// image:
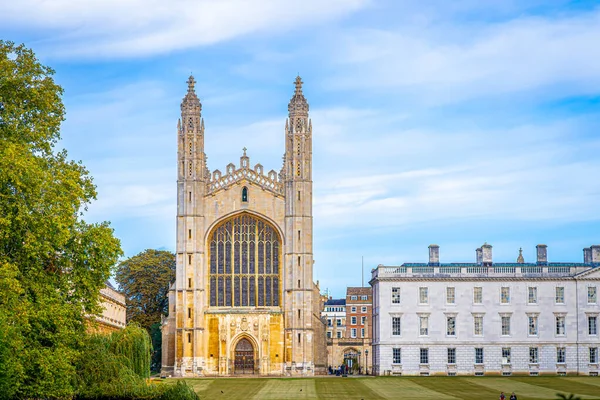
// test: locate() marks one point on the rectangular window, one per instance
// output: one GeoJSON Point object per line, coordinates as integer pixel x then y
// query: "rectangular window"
{"type": "Point", "coordinates": [592, 296]}
{"type": "Point", "coordinates": [477, 295]}
{"type": "Point", "coordinates": [189, 312]}
{"type": "Point", "coordinates": [424, 356]}
{"type": "Point", "coordinates": [533, 355]}
{"type": "Point", "coordinates": [338, 322]}
{"type": "Point", "coordinates": [423, 325]}
{"type": "Point", "coordinates": [329, 322]}
{"type": "Point", "coordinates": [339, 335]}
{"type": "Point", "coordinates": [397, 356]}
{"type": "Point", "coordinates": [352, 320]}
{"type": "Point", "coordinates": [532, 298]}
{"type": "Point", "coordinates": [328, 334]}
{"type": "Point", "coordinates": [353, 297]}
{"type": "Point", "coordinates": [451, 356]}
{"type": "Point", "coordinates": [592, 325]}
{"type": "Point", "coordinates": [189, 259]}
{"type": "Point", "coordinates": [189, 337]}
{"type": "Point", "coordinates": [363, 309]}
{"type": "Point", "coordinates": [593, 355]}
{"type": "Point", "coordinates": [505, 295]}
{"type": "Point", "coordinates": [396, 327]}
{"type": "Point", "coordinates": [560, 295]}
{"type": "Point", "coordinates": [395, 295]}
{"type": "Point", "coordinates": [363, 320]}
{"type": "Point", "coordinates": [362, 332]}
{"type": "Point", "coordinates": [478, 325]}
{"type": "Point", "coordinates": [560, 325]}
{"type": "Point", "coordinates": [364, 298]}
{"type": "Point", "coordinates": [450, 295]}
{"type": "Point", "coordinates": [506, 355]}
{"type": "Point", "coordinates": [353, 332]}
{"type": "Point", "coordinates": [533, 325]}
{"type": "Point", "coordinates": [189, 282]}
{"type": "Point", "coordinates": [451, 326]}
{"type": "Point", "coordinates": [353, 309]}
{"type": "Point", "coordinates": [299, 337]}
{"type": "Point", "coordinates": [505, 325]}
{"type": "Point", "coordinates": [423, 295]}
{"type": "Point", "coordinates": [189, 233]}
{"type": "Point", "coordinates": [561, 355]}
{"type": "Point", "coordinates": [479, 355]}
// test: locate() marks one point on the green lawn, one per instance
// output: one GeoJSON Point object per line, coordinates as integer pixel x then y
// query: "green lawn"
{"type": "Point", "coordinates": [418, 388]}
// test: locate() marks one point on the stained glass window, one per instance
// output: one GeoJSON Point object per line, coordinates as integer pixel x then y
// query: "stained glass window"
{"type": "Point", "coordinates": [244, 263]}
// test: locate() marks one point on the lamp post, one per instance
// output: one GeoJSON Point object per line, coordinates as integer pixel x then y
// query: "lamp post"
{"type": "Point", "coordinates": [367, 361]}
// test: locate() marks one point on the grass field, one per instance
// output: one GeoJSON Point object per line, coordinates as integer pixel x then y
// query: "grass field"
{"type": "Point", "coordinates": [418, 388]}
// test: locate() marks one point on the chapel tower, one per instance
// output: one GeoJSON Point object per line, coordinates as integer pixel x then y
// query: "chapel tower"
{"type": "Point", "coordinates": [298, 229]}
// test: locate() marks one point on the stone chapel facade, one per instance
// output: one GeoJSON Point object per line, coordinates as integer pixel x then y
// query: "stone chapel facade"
{"type": "Point", "coordinates": [244, 301]}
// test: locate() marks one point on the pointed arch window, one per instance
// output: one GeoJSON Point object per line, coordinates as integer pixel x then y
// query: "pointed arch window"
{"type": "Point", "coordinates": [244, 194]}
{"type": "Point", "coordinates": [244, 263]}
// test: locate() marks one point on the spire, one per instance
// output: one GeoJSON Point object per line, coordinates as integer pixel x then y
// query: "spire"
{"type": "Point", "coordinates": [520, 259]}
{"type": "Point", "coordinates": [191, 102]}
{"type": "Point", "coordinates": [298, 105]}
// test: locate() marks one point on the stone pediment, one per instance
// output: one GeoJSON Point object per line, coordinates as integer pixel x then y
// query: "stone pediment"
{"type": "Point", "coordinates": [593, 274]}
{"type": "Point", "coordinates": [270, 181]}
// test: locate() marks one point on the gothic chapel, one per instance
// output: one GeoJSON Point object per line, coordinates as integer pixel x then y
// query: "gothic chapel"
{"type": "Point", "coordinates": [244, 301]}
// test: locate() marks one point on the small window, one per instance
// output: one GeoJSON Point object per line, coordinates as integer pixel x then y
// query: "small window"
{"type": "Point", "coordinates": [477, 295]}
{"type": "Point", "coordinates": [506, 355]}
{"type": "Point", "coordinates": [478, 325]}
{"type": "Point", "coordinates": [396, 327]}
{"type": "Point", "coordinates": [364, 298]}
{"type": "Point", "coordinates": [451, 326]}
{"type": "Point", "coordinates": [189, 313]}
{"type": "Point", "coordinates": [533, 355]}
{"type": "Point", "coordinates": [189, 233]}
{"type": "Point", "coordinates": [593, 355]}
{"type": "Point", "coordinates": [397, 356]}
{"type": "Point", "coordinates": [298, 283]}
{"type": "Point", "coordinates": [423, 295]}
{"type": "Point", "coordinates": [532, 299]}
{"type": "Point", "coordinates": [353, 333]}
{"type": "Point", "coordinates": [560, 325]}
{"type": "Point", "coordinates": [395, 295]}
{"type": "Point", "coordinates": [479, 355]}
{"type": "Point", "coordinates": [190, 282]}
{"type": "Point", "coordinates": [353, 297]}
{"type": "Point", "coordinates": [190, 197]}
{"type": "Point", "coordinates": [592, 325]}
{"type": "Point", "coordinates": [244, 194]}
{"type": "Point", "coordinates": [560, 295]}
{"type": "Point", "coordinates": [451, 356]}
{"type": "Point", "coordinates": [450, 295]}
{"type": "Point", "coordinates": [505, 295]}
{"type": "Point", "coordinates": [592, 296]}
{"type": "Point", "coordinates": [189, 259]}
{"type": "Point", "coordinates": [424, 356]}
{"type": "Point", "coordinates": [298, 195]}
{"type": "Point", "coordinates": [299, 337]}
{"type": "Point", "coordinates": [561, 353]}
{"type": "Point", "coordinates": [328, 334]}
{"type": "Point", "coordinates": [363, 309]}
{"type": "Point", "coordinates": [189, 338]}
{"type": "Point", "coordinates": [352, 320]}
{"type": "Point", "coordinates": [533, 325]}
{"type": "Point", "coordinates": [353, 309]}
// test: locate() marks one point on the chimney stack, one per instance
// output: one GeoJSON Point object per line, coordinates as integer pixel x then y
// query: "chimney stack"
{"type": "Point", "coordinates": [486, 251]}
{"type": "Point", "coordinates": [542, 254]}
{"type": "Point", "coordinates": [587, 255]}
{"type": "Point", "coordinates": [595, 250]}
{"type": "Point", "coordinates": [479, 256]}
{"type": "Point", "coordinates": [434, 254]}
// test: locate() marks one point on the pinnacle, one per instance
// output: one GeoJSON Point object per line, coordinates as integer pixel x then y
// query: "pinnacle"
{"type": "Point", "coordinates": [191, 83]}
{"type": "Point", "coordinates": [298, 82]}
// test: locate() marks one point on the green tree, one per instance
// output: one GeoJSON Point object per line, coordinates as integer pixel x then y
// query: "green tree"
{"type": "Point", "coordinates": [145, 280]}
{"type": "Point", "coordinates": [52, 263]}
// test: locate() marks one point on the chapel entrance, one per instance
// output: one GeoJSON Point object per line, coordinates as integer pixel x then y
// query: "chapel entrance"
{"type": "Point", "coordinates": [244, 357]}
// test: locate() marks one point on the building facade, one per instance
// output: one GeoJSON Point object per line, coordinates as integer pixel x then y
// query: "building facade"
{"type": "Point", "coordinates": [244, 301]}
{"type": "Point", "coordinates": [487, 318]}
{"type": "Point", "coordinates": [349, 323]}
{"type": "Point", "coordinates": [114, 311]}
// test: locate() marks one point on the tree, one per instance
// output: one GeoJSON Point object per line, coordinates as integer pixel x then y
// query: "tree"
{"type": "Point", "coordinates": [52, 263]}
{"type": "Point", "coordinates": [145, 280]}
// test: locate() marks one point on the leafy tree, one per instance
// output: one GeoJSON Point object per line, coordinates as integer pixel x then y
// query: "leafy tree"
{"type": "Point", "coordinates": [145, 280]}
{"type": "Point", "coordinates": [52, 263]}
{"type": "Point", "coordinates": [569, 397]}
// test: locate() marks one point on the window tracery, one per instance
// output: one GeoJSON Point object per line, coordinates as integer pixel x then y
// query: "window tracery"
{"type": "Point", "coordinates": [244, 263]}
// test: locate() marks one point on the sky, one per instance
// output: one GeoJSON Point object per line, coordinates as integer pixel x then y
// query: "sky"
{"type": "Point", "coordinates": [455, 123]}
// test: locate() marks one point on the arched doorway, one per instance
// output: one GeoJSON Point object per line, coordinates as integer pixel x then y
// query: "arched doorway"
{"type": "Point", "coordinates": [244, 357]}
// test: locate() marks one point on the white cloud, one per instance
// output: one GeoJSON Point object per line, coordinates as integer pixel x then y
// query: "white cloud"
{"type": "Point", "coordinates": [125, 28]}
{"type": "Point", "coordinates": [445, 61]}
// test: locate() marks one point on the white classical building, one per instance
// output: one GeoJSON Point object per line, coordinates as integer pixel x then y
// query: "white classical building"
{"type": "Point", "coordinates": [487, 318]}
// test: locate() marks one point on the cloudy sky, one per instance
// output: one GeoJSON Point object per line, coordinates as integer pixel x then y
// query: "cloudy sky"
{"type": "Point", "coordinates": [434, 122]}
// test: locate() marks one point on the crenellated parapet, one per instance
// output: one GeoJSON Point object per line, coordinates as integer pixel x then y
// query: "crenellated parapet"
{"type": "Point", "coordinates": [271, 181]}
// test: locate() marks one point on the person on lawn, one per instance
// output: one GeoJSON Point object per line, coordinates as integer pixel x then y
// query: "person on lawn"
{"type": "Point", "coordinates": [513, 396]}
{"type": "Point", "coordinates": [502, 396]}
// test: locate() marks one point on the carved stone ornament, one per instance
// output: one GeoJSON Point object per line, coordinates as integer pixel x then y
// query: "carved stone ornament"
{"type": "Point", "coordinates": [244, 324]}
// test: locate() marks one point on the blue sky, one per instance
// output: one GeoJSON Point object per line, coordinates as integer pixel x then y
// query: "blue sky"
{"type": "Point", "coordinates": [434, 122]}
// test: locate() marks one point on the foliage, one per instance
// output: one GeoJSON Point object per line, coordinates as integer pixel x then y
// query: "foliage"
{"type": "Point", "coordinates": [117, 366]}
{"type": "Point", "coordinates": [156, 336]}
{"type": "Point", "coordinates": [145, 280]}
{"type": "Point", "coordinates": [561, 396]}
{"type": "Point", "coordinates": [52, 263]}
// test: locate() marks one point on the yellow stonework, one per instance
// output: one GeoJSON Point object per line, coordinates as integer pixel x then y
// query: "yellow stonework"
{"type": "Point", "coordinates": [113, 317]}
{"type": "Point", "coordinates": [244, 301]}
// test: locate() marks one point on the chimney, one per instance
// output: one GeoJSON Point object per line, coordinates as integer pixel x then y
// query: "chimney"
{"type": "Point", "coordinates": [595, 254]}
{"type": "Point", "coordinates": [479, 256]}
{"type": "Point", "coordinates": [542, 254]}
{"type": "Point", "coordinates": [486, 251]}
{"type": "Point", "coordinates": [587, 255]}
{"type": "Point", "coordinates": [434, 254]}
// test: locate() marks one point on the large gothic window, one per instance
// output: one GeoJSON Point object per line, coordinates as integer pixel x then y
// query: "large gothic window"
{"type": "Point", "coordinates": [244, 263]}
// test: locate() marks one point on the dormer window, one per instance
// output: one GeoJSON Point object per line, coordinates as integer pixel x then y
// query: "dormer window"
{"type": "Point", "coordinates": [244, 194]}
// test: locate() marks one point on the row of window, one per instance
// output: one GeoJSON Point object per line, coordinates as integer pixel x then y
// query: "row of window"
{"type": "Point", "coordinates": [353, 320]}
{"type": "Point", "coordinates": [561, 355]}
{"type": "Point", "coordinates": [363, 298]}
{"type": "Point", "coordinates": [532, 295]}
{"type": "Point", "coordinates": [532, 325]}
{"type": "Point", "coordinates": [353, 333]}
